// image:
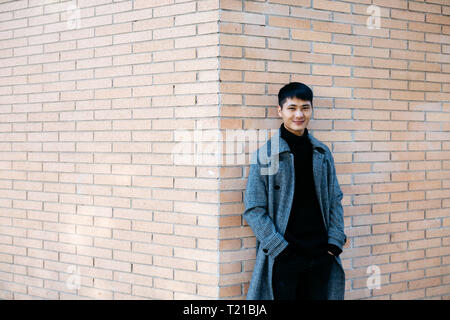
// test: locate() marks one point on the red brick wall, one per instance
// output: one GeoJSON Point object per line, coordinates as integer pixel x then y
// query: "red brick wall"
{"type": "Point", "coordinates": [382, 106]}
{"type": "Point", "coordinates": [95, 95]}
{"type": "Point", "coordinates": [115, 179]}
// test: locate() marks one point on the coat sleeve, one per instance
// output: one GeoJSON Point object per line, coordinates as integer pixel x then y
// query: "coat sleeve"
{"type": "Point", "coordinates": [256, 212]}
{"type": "Point", "coordinates": [336, 234]}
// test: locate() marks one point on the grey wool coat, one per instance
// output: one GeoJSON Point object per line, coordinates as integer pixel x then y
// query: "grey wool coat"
{"type": "Point", "coordinates": [268, 200]}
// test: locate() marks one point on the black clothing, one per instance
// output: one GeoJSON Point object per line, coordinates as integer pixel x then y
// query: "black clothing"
{"type": "Point", "coordinates": [302, 270]}
{"type": "Point", "coordinates": [297, 277]}
{"type": "Point", "coordinates": [305, 231]}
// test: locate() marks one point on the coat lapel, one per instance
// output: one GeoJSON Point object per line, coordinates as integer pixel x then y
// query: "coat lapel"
{"type": "Point", "coordinates": [317, 173]}
{"type": "Point", "coordinates": [317, 163]}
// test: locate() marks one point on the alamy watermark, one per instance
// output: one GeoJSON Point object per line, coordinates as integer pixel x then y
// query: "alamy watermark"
{"type": "Point", "coordinates": [226, 147]}
{"type": "Point", "coordinates": [374, 21]}
{"type": "Point", "coordinates": [73, 281]}
{"type": "Point", "coordinates": [74, 17]}
{"type": "Point", "coordinates": [374, 280]}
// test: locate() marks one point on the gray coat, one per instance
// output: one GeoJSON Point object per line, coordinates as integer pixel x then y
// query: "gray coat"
{"type": "Point", "coordinates": [268, 200]}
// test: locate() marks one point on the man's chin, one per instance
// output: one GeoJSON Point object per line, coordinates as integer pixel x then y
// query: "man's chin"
{"type": "Point", "coordinates": [297, 129]}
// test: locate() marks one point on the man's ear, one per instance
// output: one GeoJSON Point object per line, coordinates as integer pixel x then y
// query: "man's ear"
{"type": "Point", "coordinates": [279, 110]}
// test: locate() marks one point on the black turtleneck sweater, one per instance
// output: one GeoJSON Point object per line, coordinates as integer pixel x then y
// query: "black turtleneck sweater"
{"type": "Point", "coordinates": [305, 231]}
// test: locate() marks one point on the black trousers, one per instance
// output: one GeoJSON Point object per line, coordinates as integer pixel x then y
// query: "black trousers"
{"type": "Point", "coordinates": [297, 277]}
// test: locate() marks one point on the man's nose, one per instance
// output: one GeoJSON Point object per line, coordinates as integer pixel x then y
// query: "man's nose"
{"type": "Point", "coordinates": [299, 114]}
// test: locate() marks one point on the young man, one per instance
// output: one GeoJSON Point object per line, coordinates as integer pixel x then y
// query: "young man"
{"type": "Point", "coordinates": [294, 209]}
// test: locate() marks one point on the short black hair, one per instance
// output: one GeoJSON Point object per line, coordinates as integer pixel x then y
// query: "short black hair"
{"type": "Point", "coordinates": [295, 89]}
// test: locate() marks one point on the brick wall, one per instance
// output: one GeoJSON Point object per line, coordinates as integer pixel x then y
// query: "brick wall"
{"type": "Point", "coordinates": [382, 106]}
{"type": "Point", "coordinates": [94, 97]}
{"type": "Point", "coordinates": [113, 173]}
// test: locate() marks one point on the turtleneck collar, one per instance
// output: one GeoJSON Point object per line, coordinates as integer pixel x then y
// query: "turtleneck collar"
{"type": "Point", "coordinates": [293, 139]}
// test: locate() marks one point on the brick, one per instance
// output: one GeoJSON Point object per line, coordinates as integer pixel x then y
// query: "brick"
{"type": "Point", "coordinates": [421, 244]}
{"type": "Point", "coordinates": [427, 263]}
{"type": "Point", "coordinates": [437, 290]}
{"type": "Point", "coordinates": [289, 22]}
{"type": "Point", "coordinates": [390, 288]}
{"type": "Point", "coordinates": [410, 295]}
{"type": "Point", "coordinates": [410, 235]}
{"type": "Point", "coordinates": [389, 248]}
{"type": "Point", "coordinates": [423, 283]}
{"type": "Point", "coordinates": [331, 48]}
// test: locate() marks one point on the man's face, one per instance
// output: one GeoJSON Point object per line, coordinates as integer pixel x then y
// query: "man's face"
{"type": "Point", "coordinates": [296, 114]}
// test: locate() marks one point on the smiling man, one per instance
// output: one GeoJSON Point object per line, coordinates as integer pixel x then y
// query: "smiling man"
{"type": "Point", "coordinates": [296, 212]}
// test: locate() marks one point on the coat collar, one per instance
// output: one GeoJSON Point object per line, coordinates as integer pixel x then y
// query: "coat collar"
{"type": "Point", "coordinates": [319, 152]}
{"type": "Point", "coordinates": [283, 145]}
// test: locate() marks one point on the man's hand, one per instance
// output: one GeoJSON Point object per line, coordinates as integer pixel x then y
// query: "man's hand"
{"type": "Point", "coordinates": [334, 250]}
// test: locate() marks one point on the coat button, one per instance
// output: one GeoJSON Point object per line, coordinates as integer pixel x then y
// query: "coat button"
{"type": "Point", "coordinates": [265, 250]}
{"type": "Point", "coordinates": [277, 187]}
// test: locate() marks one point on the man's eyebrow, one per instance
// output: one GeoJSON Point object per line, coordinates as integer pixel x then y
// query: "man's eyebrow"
{"type": "Point", "coordinates": [303, 105]}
